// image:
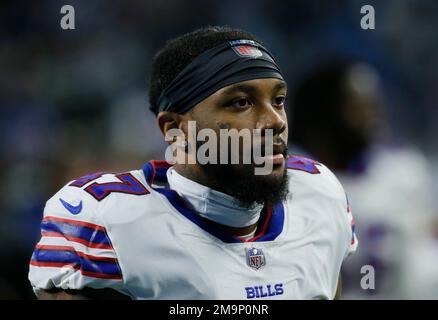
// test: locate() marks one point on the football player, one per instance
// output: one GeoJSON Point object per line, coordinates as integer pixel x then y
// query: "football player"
{"type": "Point", "coordinates": [202, 231]}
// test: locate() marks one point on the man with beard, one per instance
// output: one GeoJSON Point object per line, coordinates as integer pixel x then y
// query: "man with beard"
{"type": "Point", "coordinates": [202, 231]}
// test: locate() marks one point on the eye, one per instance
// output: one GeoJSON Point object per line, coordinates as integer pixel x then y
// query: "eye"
{"type": "Point", "coordinates": [279, 101]}
{"type": "Point", "coordinates": [240, 103]}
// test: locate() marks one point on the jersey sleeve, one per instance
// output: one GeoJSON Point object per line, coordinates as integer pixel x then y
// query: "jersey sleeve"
{"type": "Point", "coordinates": [74, 250]}
{"type": "Point", "coordinates": [347, 238]}
{"type": "Point", "coordinates": [349, 222]}
{"type": "Point", "coordinates": [321, 180]}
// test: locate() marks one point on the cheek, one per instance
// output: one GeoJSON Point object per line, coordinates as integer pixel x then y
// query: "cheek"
{"type": "Point", "coordinates": [223, 125]}
{"type": "Point", "coordinates": [237, 124]}
{"type": "Point", "coordinates": [285, 134]}
{"type": "Point", "coordinates": [203, 121]}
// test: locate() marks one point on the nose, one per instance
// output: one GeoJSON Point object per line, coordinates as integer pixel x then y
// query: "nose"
{"type": "Point", "coordinates": [271, 118]}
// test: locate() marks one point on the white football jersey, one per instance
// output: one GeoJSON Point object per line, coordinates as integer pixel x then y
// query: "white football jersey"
{"type": "Point", "coordinates": [393, 208]}
{"type": "Point", "coordinates": [131, 233]}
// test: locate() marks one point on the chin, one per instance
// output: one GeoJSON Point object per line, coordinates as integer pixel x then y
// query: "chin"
{"type": "Point", "coordinates": [240, 182]}
{"type": "Point", "coordinates": [277, 170]}
{"type": "Point", "coordinates": [275, 177]}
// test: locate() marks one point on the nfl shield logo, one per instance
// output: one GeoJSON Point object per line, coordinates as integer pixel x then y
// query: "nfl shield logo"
{"type": "Point", "coordinates": [255, 258]}
{"type": "Point", "coordinates": [247, 51]}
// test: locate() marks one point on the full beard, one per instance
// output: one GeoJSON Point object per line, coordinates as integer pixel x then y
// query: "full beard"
{"type": "Point", "coordinates": [240, 182]}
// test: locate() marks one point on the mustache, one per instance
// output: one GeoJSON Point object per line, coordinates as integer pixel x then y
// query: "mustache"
{"type": "Point", "coordinates": [277, 147]}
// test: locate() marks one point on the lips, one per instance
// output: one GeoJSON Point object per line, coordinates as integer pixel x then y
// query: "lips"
{"type": "Point", "coordinates": [278, 154]}
{"type": "Point", "coordinates": [276, 159]}
{"type": "Point", "coordinates": [279, 149]}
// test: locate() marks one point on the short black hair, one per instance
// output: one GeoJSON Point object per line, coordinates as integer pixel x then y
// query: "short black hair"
{"type": "Point", "coordinates": [179, 52]}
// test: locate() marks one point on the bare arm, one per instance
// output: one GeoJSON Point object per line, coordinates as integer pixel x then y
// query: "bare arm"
{"type": "Point", "coordinates": [86, 294]}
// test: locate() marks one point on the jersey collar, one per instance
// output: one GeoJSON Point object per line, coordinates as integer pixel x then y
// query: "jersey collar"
{"type": "Point", "coordinates": [269, 226]}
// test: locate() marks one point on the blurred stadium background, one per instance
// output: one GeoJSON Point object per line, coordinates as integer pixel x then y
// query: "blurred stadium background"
{"type": "Point", "coordinates": [74, 102]}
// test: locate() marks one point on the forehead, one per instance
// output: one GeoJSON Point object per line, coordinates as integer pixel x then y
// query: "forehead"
{"type": "Point", "coordinates": [260, 86]}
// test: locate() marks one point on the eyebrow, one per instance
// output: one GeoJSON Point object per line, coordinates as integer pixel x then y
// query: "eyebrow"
{"type": "Point", "coordinates": [251, 89]}
{"type": "Point", "coordinates": [280, 85]}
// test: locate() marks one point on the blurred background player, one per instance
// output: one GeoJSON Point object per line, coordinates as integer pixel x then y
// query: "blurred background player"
{"type": "Point", "coordinates": [338, 117]}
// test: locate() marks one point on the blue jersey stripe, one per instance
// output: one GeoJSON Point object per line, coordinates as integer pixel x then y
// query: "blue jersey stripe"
{"type": "Point", "coordinates": [72, 257]}
{"type": "Point", "coordinates": [73, 230]}
{"type": "Point", "coordinates": [152, 171]}
{"type": "Point", "coordinates": [276, 224]}
{"type": "Point", "coordinates": [274, 229]}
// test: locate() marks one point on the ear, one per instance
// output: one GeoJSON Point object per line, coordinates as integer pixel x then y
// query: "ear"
{"type": "Point", "coordinates": [168, 120]}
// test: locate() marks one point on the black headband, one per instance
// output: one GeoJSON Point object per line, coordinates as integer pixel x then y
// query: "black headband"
{"type": "Point", "coordinates": [229, 63]}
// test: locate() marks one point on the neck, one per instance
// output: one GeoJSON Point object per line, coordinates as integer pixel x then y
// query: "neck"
{"type": "Point", "coordinates": [222, 211]}
{"type": "Point", "coordinates": [191, 171]}
{"type": "Point", "coordinates": [195, 173]}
